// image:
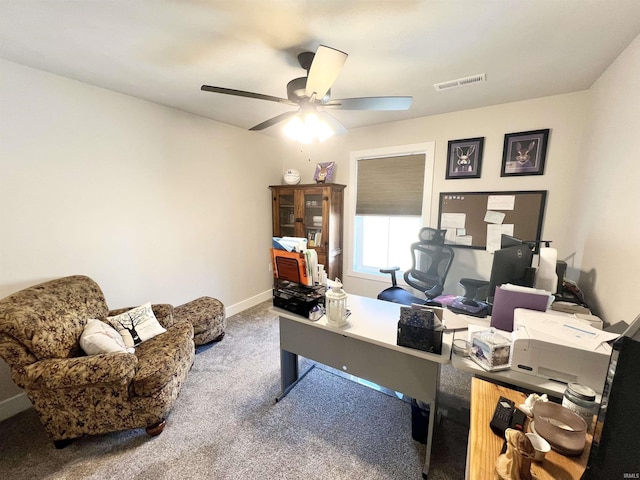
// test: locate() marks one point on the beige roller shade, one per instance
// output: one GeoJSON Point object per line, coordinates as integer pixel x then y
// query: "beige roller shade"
{"type": "Point", "coordinates": [390, 185]}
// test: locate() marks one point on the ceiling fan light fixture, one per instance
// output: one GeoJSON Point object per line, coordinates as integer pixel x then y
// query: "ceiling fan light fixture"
{"type": "Point", "coordinates": [312, 91]}
{"type": "Point", "coordinates": [304, 128]}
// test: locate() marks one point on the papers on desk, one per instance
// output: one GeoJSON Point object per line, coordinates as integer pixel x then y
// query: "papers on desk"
{"type": "Point", "coordinates": [290, 244]}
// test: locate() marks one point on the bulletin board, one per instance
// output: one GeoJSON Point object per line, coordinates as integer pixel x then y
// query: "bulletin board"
{"type": "Point", "coordinates": [477, 219]}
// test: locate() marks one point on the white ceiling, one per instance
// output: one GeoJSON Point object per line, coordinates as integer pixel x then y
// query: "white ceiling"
{"type": "Point", "coordinates": [163, 51]}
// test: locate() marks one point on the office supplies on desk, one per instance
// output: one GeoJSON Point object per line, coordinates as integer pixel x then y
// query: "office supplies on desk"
{"type": "Point", "coordinates": [291, 266]}
{"type": "Point", "coordinates": [546, 276]}
{"type": "Point", "coordinates": [296, 298]}
{"type": "Point", "coordinates": [420, 328]}
{"type": "Point", "coordinates": [509, 297]}
{"type": "Point", "coordinates": [550, 346]}
{"type": "Point", "coordinates": [490, 350]}
{"type": "Point", "coordinates": [290, 244]}
{"type": "Point", "coordinates": [506, 415]}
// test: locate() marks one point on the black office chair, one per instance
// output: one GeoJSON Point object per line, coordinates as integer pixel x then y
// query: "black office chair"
{"type": "Point", "coordinates": [431, 263]}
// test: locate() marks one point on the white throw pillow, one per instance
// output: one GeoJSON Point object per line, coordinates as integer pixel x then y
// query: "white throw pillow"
{"type": "Point", "coordinates": [137, 325]}
{"type": "Point", "coordinates": [98, 337]}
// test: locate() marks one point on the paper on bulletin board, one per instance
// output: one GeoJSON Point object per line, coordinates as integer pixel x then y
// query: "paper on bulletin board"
{"type": "Point", "coordinates": [501, 202]}
{"type": "Point", "coordinates": [453, 220]}
{"type": "Point", "coordinates": [450, 235]}
{"type": "Point", "coordinates": [464, 240]}
{"type": "Point", "coordinates": [494, 217]}
{"type": "Point", "coordinates": [494, 235]}
{"type": "Point", "coordinates": [458, 236]}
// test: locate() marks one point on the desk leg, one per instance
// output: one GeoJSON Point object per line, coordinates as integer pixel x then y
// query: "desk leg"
{"type": "Point", "coordinates": [433, 408]}
{"type": "Point", "coordinates": [289, 376]}
{"type": "Point", "coordinates": [427, 456]}
{"type": "Point", "coordinates": [288, 373]}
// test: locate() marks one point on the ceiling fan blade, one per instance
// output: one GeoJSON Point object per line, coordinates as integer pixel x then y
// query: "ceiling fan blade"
{"type": "Point", "coordinates": [242, 93]}
{"type": "Point", "coordinates": [325, 68]}
{"type": "Point", "coordinates": [370, 103]}
{"type": "Point", "coordinates": [333, 122]}
{"type": "Point", "coordinates": [273, 121]}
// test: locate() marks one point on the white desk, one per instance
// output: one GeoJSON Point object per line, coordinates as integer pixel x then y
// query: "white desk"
{"type": "Point", "coordinates": [366, 347]}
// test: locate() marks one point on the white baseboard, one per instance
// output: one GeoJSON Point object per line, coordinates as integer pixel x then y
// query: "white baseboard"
{"type": "Point", "coordinates": [248, 303]}
{"type": "Point", "coordinates": [20, 402]}
{"type": "Point", "coordinates": [11, 406]}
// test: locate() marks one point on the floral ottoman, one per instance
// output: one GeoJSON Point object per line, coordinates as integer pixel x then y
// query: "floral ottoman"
{"type": "Point", "coordinates": [207, 315]}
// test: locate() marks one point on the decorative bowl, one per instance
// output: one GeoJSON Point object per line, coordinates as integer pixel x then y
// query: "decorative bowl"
{"type": "Point", "coordinates": [565, 431]}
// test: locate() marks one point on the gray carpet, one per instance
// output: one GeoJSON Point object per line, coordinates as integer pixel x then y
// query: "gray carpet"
{"type": "Point", "coordinates": [226, 425]}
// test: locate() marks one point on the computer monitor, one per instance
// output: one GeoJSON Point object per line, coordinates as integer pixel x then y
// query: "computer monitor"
{"type": "Point", "coordinates": [509, 241]}
{"type": "Point", "coordinates": [511, 264]}
{"type": "Point", "coordinates": [614, 450]}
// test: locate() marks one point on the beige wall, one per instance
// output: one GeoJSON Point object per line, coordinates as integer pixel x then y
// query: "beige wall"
{"type": "Point", "coordinates": [609, 200]}
{"type": "Point", "coordinates": [153, 203]}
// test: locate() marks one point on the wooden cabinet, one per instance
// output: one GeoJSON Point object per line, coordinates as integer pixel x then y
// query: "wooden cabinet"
{"type": "Point", "coordinates": [314, 212]}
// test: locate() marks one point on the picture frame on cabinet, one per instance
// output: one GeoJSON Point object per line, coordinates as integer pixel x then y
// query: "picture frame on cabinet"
{"type": "Point", "coordinates": [524, 153]}
{"type": "Point", "coordinates": [324, 172]}
{"type": "Point", "coordinates": [464, 158]}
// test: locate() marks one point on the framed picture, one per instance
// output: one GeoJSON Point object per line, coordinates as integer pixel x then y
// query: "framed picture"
{"type": "Point", "coordinates": [464, 158]}
{"type": "Point", "coordinates": [324, 172]}
{"type": "Point", "coordinates": [524, 153]}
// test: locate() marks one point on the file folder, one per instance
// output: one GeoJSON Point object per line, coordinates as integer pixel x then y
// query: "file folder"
{"type": "Point", "coordinates": [291, 266]}
{"type": "Point", "coordinates": [506, 301]}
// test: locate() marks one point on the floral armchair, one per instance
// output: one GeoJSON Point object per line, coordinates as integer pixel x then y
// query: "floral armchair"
{"type": "Point", "coordinates": [77, 394]}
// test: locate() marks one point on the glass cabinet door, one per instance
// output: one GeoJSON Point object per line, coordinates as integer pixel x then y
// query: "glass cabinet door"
{"type": "Point", "coordinates": [313, 219]}
{"type": "Point", "coordinates": [286, 216]}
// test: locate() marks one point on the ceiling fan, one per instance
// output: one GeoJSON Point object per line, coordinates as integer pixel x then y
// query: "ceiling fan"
{"type": "Point", "coordinates": [312, 94]}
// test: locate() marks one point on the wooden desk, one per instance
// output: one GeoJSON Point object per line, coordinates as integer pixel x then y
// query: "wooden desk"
{"type": "Point", "coordinates": [484, 446]}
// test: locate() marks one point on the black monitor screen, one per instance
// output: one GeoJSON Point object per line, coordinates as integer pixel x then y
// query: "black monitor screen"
{"type": "Point", "coordinates": [511, 264]}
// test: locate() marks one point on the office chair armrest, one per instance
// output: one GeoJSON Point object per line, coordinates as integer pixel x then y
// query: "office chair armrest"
{"type": "Point", "coordinates": [391, 271]}
{"type": "Point", "coordinates": [434, 291]}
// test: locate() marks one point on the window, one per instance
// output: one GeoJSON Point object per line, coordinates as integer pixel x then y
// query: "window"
{"type": "Point", "coordinates": [383, 241]}
{"type": "Point", "coordinates": [391, 201]}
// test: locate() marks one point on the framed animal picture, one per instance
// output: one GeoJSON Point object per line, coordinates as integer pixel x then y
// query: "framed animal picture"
{"type": "Point", "coordinates": [324, 172]}
{"type": "Point", "coordinates": [524, 153]}
{"type": "Point", "coordinates": [464, 158]}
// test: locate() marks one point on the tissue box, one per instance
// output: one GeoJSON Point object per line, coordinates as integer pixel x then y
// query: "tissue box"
{"type": "Point", "coordinates": [420, 329]}
{"type": "Point", "coordinates": [490, 350]}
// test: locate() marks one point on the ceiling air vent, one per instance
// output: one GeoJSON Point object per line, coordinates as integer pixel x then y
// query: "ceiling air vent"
{"type": "Point", "coordinates": [460, 82]}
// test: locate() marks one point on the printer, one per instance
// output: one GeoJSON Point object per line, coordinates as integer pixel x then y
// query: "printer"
{"type": "Point", "coordinates": [544, 345]}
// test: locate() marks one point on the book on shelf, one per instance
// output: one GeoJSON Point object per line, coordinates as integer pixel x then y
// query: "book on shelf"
{"type": "Point", "coordinates": [314, 239]}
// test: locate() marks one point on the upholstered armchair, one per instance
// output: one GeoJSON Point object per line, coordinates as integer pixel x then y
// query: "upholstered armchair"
{"type": "Point", "coordinates": [74, 393]}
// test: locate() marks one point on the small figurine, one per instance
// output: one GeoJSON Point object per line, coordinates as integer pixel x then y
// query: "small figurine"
{"type": "Point", "coordinates": [515, 463]}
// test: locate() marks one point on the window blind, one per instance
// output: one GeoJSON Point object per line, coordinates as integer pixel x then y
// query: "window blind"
{"type": "Point", "coordinates": [390, 185]}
